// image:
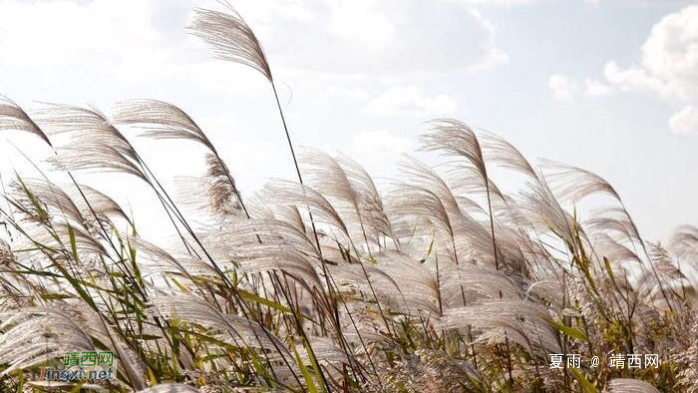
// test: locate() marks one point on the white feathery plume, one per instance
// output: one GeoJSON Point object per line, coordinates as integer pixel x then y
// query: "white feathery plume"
{"type": "Point", "coordinates": [499, 151]}
{"type": "Point", "coordinates": [58, 202]}
{"type": "Point", "coordinates": [478, 282]}
{"type": "Point", "coordinates": [57, 241]}
{"type": "Point", "coordinates": [287, 193]}
{"type": "Point", "coordinates": [573, 184]}
{"type": "Point", "coordinates": [627, 385]}
{"type": "Point", "coordinates": [170, 388]}
{"type": "Point", "coordinates": [241, 236]}
{"type": "Point", "coordinates": [13, 117]}
{"type": "Point", "coordinates": [231, 38]}
{"type": "Point", "coordinates": [416, 283]}
{"type": "Point", "coordinates": [684, 241]}
{"type": "Point", "coordinates": [34, 335]}
{"type": "Point", "coordinates": [544, 211]}
{"type": "Point", "coordinates": [232, 329]}
{"type": "Point", "coordinates": [161, 120]}
{"type": "Point", "coordinates": [605, 246]}
{"type": "Point", "coordinates": [414, 201]}
{"type": "Point", "coordinates": [400, 282]}
{"type": "Point", "coordinates": [521, 321]}
{"type": "Point", "coordinates": [103, 205]}
{"type": "Point", "coordinates": [93, 143]}
{"type": "Point", "coordinates": [370, 200]}
{"type": "Point", "coordinates": [354, 198]}
{"type": "Point", "coordinates": [613, 221]}
{"type": "Point", "coordinates": [456, 139]}
{"type": "Point", "coordinates": [162, 261]}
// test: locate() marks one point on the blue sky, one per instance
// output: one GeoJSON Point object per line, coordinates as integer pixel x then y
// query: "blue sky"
{"type": "Point", "coordinates": [608, 85]}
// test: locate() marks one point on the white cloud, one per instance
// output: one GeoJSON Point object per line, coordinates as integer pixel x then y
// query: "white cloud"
{"type": "Point", "coordinates": [562, 87]}
{"type": "Point", "coordinates": [355, 93]}
{"type": "Point", "coordinates": [410, 100]}
{"type": "Point", "coordinates": [377, 142]}
{"type": "Point", "coordinates": [491, 54]}
{"type": "Point", "coordinates": [640, 2]}
{"type": "Point", "coordinates": [669, 67]}
{"type": "Point", "coordinates": [593, 2]}
{"type": "Point", "coordinates": [107, 50]}
{"type": "Point", "coordinates": [386, 37]}
{"type": "Point", "coordinates": [144, 40]}
{"type": "Point", "coordinates": [671, 53]}
{"type": "Point", "coordinates": [45, 34]}
{"type": "Point", "coordinates": [685, 121]}
{"type": "Point", "coordinates": [504, 2]}
{"type": "Point", "coordinates": [633, 78]}
{"type": "Point", "coordinates": [566, 89]}
{"type": "Point", "coordinates": [132, 41]}
{"type": "Point", "coordinates": [375, 28]}
{"type": "Point", "coordinates": [597, 88]}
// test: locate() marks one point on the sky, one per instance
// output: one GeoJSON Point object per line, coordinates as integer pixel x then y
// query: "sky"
{"type": "Point", "coordinates": [607, 85]}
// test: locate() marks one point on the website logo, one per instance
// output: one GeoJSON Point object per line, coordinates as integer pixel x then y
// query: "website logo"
{"type": "Point", "coordinates": [79, 367]}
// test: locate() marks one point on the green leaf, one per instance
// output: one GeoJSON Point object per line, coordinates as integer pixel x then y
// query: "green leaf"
{"type": "Point", "coordinates": [264, 301]}
{"type": "Point", "coordinates": [74, 283]}
{"type": "Point", "coordinates": [309, 382]}
{"type": "Point", "coordinates": [313, 361]}
{"type": "Point", "coordinates": [569, 331]}
{"type": "Point", "coordinates": [56, 296]}
{"type": "Point", "coordinates": [583, 382]}
{"type": "Point", "coordinates": [145, 337]}
{"type": "Point", "coordinates": [608, 269]}
{"type": "Point", "coordinates": [73, 243]}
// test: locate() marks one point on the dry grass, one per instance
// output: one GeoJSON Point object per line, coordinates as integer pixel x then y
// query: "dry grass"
{"type": "Point", "coordinates": [444, 282]}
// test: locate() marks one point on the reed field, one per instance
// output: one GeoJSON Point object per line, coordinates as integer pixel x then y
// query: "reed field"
{"type": "Point", "coordinates": [438, 281]}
